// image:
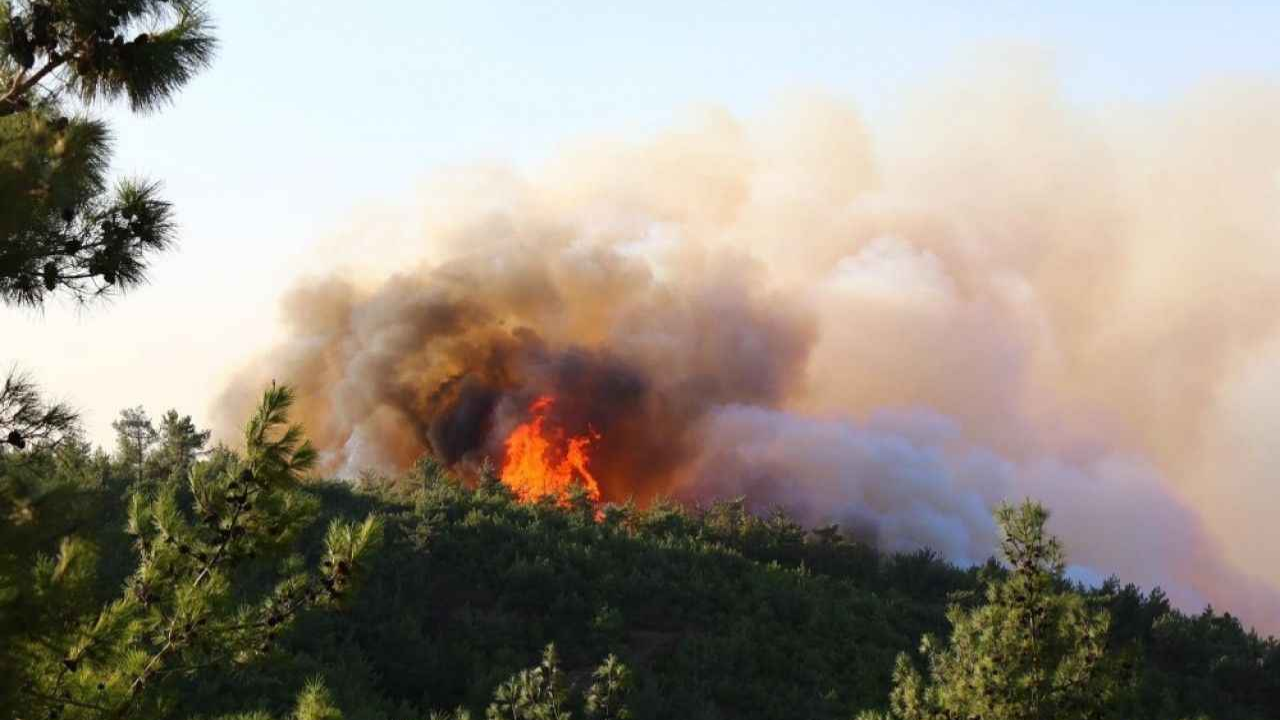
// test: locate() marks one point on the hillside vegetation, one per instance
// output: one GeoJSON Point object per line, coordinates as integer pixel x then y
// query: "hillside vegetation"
{"type": "Point", "coordinates": [700, 612]}
{"type": "Point", "coordinates": [165, 580]}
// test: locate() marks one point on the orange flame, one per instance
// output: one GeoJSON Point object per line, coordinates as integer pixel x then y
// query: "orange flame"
{"type": "Point", "coordinates": [541, 462]}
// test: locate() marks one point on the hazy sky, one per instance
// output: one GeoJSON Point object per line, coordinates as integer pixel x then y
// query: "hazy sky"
{"type": "Point", "coordinates": [316, 109]}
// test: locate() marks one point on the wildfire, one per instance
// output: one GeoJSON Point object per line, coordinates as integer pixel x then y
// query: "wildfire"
{"type": "Point", "coordinates": [542, 461]}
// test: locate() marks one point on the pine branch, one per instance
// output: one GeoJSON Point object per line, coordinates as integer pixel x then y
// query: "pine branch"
{"type": "Point", "coordinates": [13, 100]}
{"type": "Point", "coordinates": [57, 701]}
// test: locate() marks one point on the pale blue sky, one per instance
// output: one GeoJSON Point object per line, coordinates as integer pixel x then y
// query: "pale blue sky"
{"type": "Point", "coordinates": [316, 107]}
{"type": "Point", "coordinates": [316, 87]}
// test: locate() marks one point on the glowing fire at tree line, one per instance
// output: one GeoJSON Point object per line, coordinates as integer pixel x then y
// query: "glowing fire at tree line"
{"type": "Point", "coordinates": [543, 461]}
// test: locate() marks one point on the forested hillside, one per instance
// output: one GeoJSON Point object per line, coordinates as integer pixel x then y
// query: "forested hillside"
{"type": "Point", "coordinates": [168, 579]}
{"type": "Point", "coordinates": [710, 613]}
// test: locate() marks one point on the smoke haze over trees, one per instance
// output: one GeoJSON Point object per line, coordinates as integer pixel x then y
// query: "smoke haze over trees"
{"type": "Point", "coordinates": [721, 423]}
{"type": "Point", "coordinates": [894, 333]}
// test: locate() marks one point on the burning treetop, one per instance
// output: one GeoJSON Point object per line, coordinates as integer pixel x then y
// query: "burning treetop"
{"type": "Point", "coordinates": [542, 460]}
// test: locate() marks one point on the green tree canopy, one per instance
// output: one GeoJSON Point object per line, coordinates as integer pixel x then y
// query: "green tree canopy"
{"type": "Point", "coordinates": [182, 609]}
{"type": "Point", "coordinates": [180, 443]}
{"type": "Point", "coordinates": [135, 434]}
{"type": "Point", "coordinates": [1035, 650]}
{"type": "Point", "coordinates": [63, 224]}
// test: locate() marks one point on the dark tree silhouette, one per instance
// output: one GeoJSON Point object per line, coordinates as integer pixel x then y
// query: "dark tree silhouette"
{"type": "Point", "coordinates": [26, 418]}
{"type": "Point", "coordinates": [63, 226]}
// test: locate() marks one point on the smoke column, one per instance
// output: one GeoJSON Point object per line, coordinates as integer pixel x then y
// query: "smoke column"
{"type": "Point", "coordinates": [1004, 297]}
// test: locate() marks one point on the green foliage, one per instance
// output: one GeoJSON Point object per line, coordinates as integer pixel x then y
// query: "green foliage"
{"type": "Point", "coordinates": [135, 434]}
{"type": "Point", "coordinates": [715, 612]}
{"type": "Point", "coordinates": [535, 694]}
{"type": "Point", "coordinates": [186, 608]}
{"type": "Point", "coordinates": [39, 448]}
{"type": "Point", "coordinates": [25, 417]}
{"type": "Point", "coordinates": [316, 703]}
{"type": "Point", "coordinates": [180, 444]}
{"type": "Point", "coordinates": [63, 225]}
{"type": "Point", "coordinates": [1188, 664]}
{"type": "Point", "coordinates": [607, 695]}
{"type": "Point", "coordinates": [713, 619]}
{"type": "Point", "coordinates": [144, 50]}
{"type": "Point", "coordinates": [1032, 651]}
{"type": "Point", "coordinates": [541, 693]}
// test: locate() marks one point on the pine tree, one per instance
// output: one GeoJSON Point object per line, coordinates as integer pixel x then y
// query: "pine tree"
{"type": "Point", "coordinates": [535, 694]}
{"type": "Point", "coordinates": [180, 443]}
{"type": "Point", "coordinates": [62, 227]}
{"type": "Point", "coordinates": [33, 509]}
{"type": "Point", "coordinates": [1035, 650]}
{"type": "Point", "coordinates": [179, 613]}
{"type": "Point", "coordinates": [135, 434]}
{"type": "Point", "coordinates": [606, 698]}
{"type": "Point", "coordinates": [542, 693]}
{"type": "Point", "coordinates": [316, 703]}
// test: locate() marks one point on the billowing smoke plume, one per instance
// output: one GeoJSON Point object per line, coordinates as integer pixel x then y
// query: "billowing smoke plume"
{"type": "Point", "coordinates": [1005, 297]}
{"type": "Point", "coordinates": [448, 361]}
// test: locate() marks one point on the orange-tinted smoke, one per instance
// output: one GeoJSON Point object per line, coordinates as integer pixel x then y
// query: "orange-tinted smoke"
{"type": "Point", "coordinates": [1071, 302]}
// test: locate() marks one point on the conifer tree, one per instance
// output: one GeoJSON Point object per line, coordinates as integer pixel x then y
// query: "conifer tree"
{"type": "Point", "coordinates": [606, 698]}
{"type": "Point", "coordinates": [538, 693]}
{"type": "Point", "coordinates": [181, 611]}
{"type": "Point", "coordinates": [316, 703]}
{"type": "Point", "coordinates": [63, 227]}
{"type": "Point", "coordinates": [33, 510]}
{"type": "Point", "coordinates": [135, 434]}
{"type": "Point", "coordinates": [1035, 650]}
{"type": "Point", "coordinates": [180, 443]}
{"type": "Point", "coordinates": [542, 693]}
